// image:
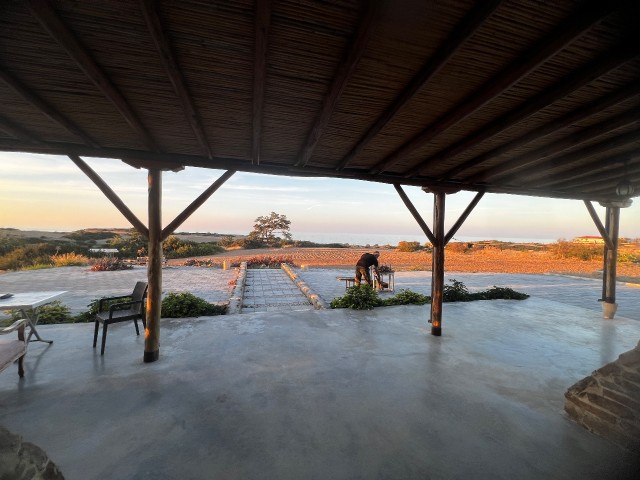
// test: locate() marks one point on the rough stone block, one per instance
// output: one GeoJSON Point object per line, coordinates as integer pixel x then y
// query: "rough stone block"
{"type": "Point", "coordinates": [611, 406]}
{"type": "Point", "coordinates": [587, 407]}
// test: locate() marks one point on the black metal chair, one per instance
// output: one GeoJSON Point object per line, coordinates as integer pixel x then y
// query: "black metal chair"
{"type": "Point", "coordinates": [121, 312]}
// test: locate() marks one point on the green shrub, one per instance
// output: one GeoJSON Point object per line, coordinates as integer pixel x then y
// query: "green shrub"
{"type": "Point", "coordinates": [361, 297]}
{"type": "Point", "coordinates": [178, 305]}
{"type": "Point", "coordinates": [54, 312]}
{"type": "Point", "coordinates": [27, 256]}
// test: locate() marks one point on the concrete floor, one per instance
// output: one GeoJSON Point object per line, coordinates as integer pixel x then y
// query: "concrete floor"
{"type": "Point", "coordinates": [332, 394]}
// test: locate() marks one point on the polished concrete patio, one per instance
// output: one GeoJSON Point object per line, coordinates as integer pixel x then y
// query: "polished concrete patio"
{"type": "Point", "coordinates": [325, 394]}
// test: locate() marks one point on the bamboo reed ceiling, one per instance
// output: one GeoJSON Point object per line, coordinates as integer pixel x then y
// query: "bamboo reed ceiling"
{"type": "Point", "coordinates": [514, 96]}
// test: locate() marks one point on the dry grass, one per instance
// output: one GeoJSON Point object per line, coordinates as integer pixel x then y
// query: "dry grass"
{"type": "Point", "coordinates": [487, 260]}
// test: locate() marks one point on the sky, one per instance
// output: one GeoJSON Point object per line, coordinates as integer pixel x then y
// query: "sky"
{"type": "Point", "coordinates": [46, 192]}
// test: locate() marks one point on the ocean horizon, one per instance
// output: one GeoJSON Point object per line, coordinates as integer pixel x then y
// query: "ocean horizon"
{"type": "Point", "coordinates": [393, 239]}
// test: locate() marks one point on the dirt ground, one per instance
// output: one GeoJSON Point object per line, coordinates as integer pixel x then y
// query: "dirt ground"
{"type": "Point", "coordinates": [487, 260]}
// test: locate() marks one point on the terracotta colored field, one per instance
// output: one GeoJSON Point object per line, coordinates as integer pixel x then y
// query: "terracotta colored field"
{"type": "Point", "coordinates": [487, 260]}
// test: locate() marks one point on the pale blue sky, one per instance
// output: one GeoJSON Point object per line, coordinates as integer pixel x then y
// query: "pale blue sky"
{"type": "Point", "coordinates": [51, 193]}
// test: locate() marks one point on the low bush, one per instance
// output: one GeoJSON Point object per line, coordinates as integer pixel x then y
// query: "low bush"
{"type": "Point", "coordinates": [185, 304]}
{"type": "Point", "coordinates": [69, 260]}
{"type": "Point", "coordinates": [27, 256]}
{"type": "Point", "coordinates": [54, 312]}
{"type": "Point", "coordinates": [409, 246]}
{"type": "Point", "coordinates": [110, 264]}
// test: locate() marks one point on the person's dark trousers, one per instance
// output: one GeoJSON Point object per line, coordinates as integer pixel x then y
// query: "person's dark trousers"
{"type": "Point", "coordinates": [360, 271]}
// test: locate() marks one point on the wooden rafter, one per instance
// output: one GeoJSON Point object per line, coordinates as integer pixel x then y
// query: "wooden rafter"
{"type": "Point", "coordinates": [467, 27]}
{"type": "Point", "coordinates": [340, 81]}
{"type": "Point", "coordinates": [565, 162]}
{"type": "Point", "coordinates": [17, 132]}
{"type": "Point", "coordinates": [576, 115]}
{"type": "Point", "coordinates": [43, 11]}
{"type": "Point", "coordinates": [160, 37]}
{"type": "Point", "coordinates": [589, 173]}
{"type": "Point", "coordinates": [554, 148]}
{"type": "Point", "coordinates": [607, 62]}
{"type": "Point", "coordinates": [262, 25]}
{"type": "Point", "coordinates": [565, 33]}
{"type": "Point", "coordinates": [29, 96]}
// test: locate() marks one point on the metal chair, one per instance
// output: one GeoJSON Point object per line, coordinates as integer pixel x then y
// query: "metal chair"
{"type": "Point", "coordinates": [121, 312]}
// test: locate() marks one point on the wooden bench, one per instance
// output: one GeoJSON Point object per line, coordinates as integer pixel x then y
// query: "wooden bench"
{"type": "Point", "coordinates": [348, 281]}
{"type": "Point", "coordinates": [12, 350]}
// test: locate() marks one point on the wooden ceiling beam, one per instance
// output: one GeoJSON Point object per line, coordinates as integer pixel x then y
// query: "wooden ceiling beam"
{"type": "Point", "coordinates": [578, 79]}
{"type": "Point", "coordinates": [576, 115]}
{"type": "Point", "coordinates": [345, 70]}
{"type": "Point", "coordinates": [610, 185]}
{"type": "Point", "coordinates": [17, 131]}
{"type": "Point", "coordinates": [43, 11]}
{"type": "Point", "coordinates": [262, 26]}
{"type": "Point", "coordinates": [589, 173]}
{"type": "Point", "coordinates": [160, 37]}
{"type": "Point", "coordinates": [463, 31]}
{"type": "Point", "coordinates": [34, 100]}
{"type": "Point", "coordinates": [538, 155]}
{"type": "Point", "coordinates": [565, 162]}
{"type": "Point", "coordinates": [564, 34]}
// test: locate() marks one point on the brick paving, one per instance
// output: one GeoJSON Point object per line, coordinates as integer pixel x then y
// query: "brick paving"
{"type": "Point", "coordinates": [271, 290]}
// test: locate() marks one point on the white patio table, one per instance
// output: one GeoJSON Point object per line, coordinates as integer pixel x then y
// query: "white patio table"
{"type": "Point", "coordinates": [28, 304]}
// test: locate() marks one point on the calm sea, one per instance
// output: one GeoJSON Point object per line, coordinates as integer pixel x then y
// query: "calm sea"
{"type": "Point", "coordinates": [393, 239]}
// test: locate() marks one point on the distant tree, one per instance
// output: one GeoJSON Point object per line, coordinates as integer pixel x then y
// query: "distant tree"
{"type": "Point", "coordinates": [265, 228]}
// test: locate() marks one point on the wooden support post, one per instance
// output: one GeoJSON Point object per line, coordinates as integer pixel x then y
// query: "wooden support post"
{"type": "Point", "coordinates": [437, 273]}
{"type": "Point", "coordinates": [154, 268]}
{"type": "Point", "coordinates": [610, 232]}
{"type": "Point", "coordinates": [613, 219]}
{"type": "Point", "coordinates": [607, 226]}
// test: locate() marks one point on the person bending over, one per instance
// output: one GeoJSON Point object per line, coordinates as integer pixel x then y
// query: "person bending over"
{"type": "Point", "coordinates": [362, 267]}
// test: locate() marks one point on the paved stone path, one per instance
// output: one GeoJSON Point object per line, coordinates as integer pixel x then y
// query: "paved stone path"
{"type": "Point", "coordinates": [271, 290]}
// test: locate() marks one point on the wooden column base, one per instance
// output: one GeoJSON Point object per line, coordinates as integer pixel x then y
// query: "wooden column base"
{"type": "Point", "coordinates": [436, 331]}
{"type": "Point", "coordinates": [151, 356]}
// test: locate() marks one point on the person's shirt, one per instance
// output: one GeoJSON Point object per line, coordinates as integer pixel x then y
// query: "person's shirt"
{"type": "Point", "coordinates": [366, 260]}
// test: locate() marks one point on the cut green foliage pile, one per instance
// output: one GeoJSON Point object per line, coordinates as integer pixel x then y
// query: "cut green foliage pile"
{"type": "Point", "coordinates": [364, 297]}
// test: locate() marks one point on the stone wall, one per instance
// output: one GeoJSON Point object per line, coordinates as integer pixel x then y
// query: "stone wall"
{"type": "Point", "coordinates": [24, 461]}
{"type": "Point", "coordinates": [608, 401]}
